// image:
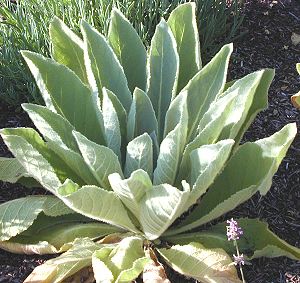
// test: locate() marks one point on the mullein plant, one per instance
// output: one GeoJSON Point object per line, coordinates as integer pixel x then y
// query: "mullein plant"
{"type": "Point", "coordinates": [138, 149]}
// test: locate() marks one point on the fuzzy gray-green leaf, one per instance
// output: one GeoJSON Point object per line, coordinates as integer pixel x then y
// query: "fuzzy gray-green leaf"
{"type": "Point", "coordinates": [182, 22]}
{"type": "Point", "coordinates": [129, 49]}
{"type": "Point", "coordinates": [163, 68]}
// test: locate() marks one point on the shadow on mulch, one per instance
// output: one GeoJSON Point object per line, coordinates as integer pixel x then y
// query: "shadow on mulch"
{"type": "Point", "coordinates": [267, 44]}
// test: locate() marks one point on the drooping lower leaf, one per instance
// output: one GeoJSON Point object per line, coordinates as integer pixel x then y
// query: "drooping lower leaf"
{"type": "Point", "coordinates": [57, 269]}
{"type": "Point", "coordinates": [38, 160]}
{"type": "Point", "coordinates": [11, 170]}
{"type": "Point", "coordinates": [257, 240]}
{"type": "Point", "coordinates": [241, 178]}
{"type": "Point", "coordinates": [96, 203]}
{"type": "Point", "coordinates": [17, 215]}
{"type": "Point", "coordinates": [57, 131]}
{"type": "Point", "coordinates": [204, 265]}
{"type": "Point", "coordinates": [56, 234]}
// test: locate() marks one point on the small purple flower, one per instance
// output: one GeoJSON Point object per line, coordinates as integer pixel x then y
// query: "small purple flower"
{"type": "Point", "coordinates": [239, 259]}
{"type": "Point", "coordinates": [233, 230]}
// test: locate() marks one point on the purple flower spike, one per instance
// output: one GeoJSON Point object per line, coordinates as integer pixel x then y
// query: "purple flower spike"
{"type": "Point", "coordinates": [233, 230]}
{"type": "Point", "coordinates": [239, 259]}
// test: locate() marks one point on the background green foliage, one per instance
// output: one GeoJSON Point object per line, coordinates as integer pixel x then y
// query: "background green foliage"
{"type": "Point", "coordinates": [25, 26]}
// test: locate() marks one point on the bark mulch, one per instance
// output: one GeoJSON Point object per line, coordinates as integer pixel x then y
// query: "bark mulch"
{"type": "Point", "coordinates": [267, 44]}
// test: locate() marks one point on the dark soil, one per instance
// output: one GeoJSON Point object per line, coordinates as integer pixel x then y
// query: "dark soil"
{"type": "Point", "coordinates": [267, 43]}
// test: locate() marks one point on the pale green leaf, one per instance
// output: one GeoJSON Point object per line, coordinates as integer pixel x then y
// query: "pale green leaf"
{"type": "Point", "coordinates": [129, 49]}
{"type": "Point", "coordinates": [54, 207]}
{"type": "Point", "coordinates": [246, 89]}
{"type": "Point", "coordinates": [11, 170]}
{"type": "Point", "coordinates": [64, 93]}
{"type": "Point", "coordinates": [121, 112]}
{"type": "Point", "coordinates": [205, 87]}
{"type": "Point", "coordinates": [57, 269]}
{"type": "Point", "coordinates": [257, 240]}
{"type": "Point", "coordinates": [241, 178]}
{"type": "Point", "coordinates": [58, 133]}
{"type": "Point", "coordinates": [101, 160]}
{"type": "Point", "coordinates": [32, 153]}
{"type": "Point", "coordinates": [183, 24]}
{"type": "Point", "coordinates": [209, 129]}
{"type": "Point", "coordinates": [67, 48]}
{"type": "Point", "coordinates": [265, 243]}
{"type": "Point", "coordinates": [118, 259]}
{"type": "Point", "coordinates": [141, 118]}
{"type": "Point", "coordinates": [298, 68]}
{"type": "Point", "coordinates": [17, 215]}
{"type": "Point", "coordinates": [139, 155]}
{"type": "Point", "coordinates": [111, 123]}
{"type": "Point", "coordinates": [260, 101]}
{"type": "Point", "coordinates": [96, 203]}
{"type": "Point", "coordinates": [160, 207]}
{"type": "Point", "coordinates": [204, 265]}
{"type": "Point", "coordinates": [131, 190]}
{"type": "Point", "coordinates": [172, 146]}
{"type": "Point", "coordinates": [57, 236]}
{"type": "Point", "coordinates": [132, 273]}
{"type": "Point", "coordinates": [206, 163]}
{"type": "Point", "coordinates": [103, 66]}
{"type": "Point", "coordinates": [163, 68]}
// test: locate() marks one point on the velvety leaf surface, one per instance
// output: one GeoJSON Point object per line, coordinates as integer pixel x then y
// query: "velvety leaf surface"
{"type": "Point", "coordinates": [160, 207]}
{"type": "Point", "coordinates": [205, 87]}
{"type": "Point", "coordinates": [129, 49]}
{"type": "Point", "coordinates": [141, 118]}
{"type": "Point", "coordinates": [205, 265]}
{"type": "Point", "coordinates": [111, 123]}
{"type": "Point", "coordinates": [58, 133]}
{"type": "Point", "coordinates": [172, 146]}
{"type": "Point", "coordinates": [257, 240]}
{"type": "Point", "coordinates": [101, 160]}
{"type": "Point", "coordinates": [65, 93]}
{"type": "Point", "coordinates": [103, 66]}
{"type": "Point", "coordinates": [139, 155]}
{"type": "Point", "coordinates": [163, 68]}
{"type": "Point", "coordinates": [96, 203]}
{"type": "Point", "coordinates": [122, 263]}
{"type": "Point", "coordinates": [182, 22]}
{"type": "Point", "coordinates": [11, 170]}
{"type": "Point", "coordinates": [131, 190]}
{"type": "Point", "coordinates": [65, 265]}
{"type": "Point", "coordinates": [67, 48]}
{"type": "Point", "coordinates": [241, 178]}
